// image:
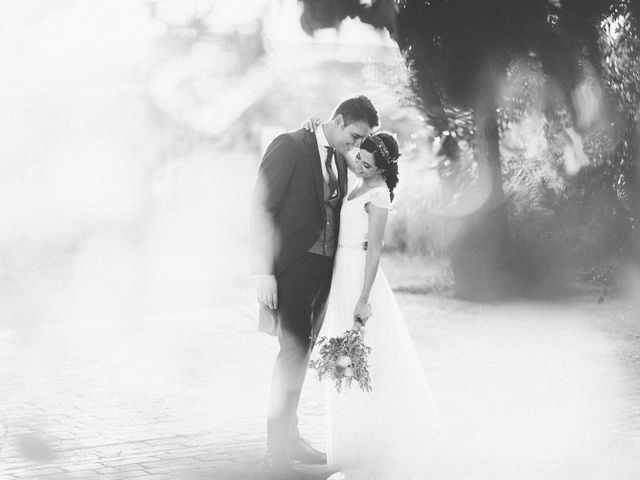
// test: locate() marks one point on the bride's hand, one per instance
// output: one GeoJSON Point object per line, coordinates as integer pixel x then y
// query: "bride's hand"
{"type": "Point", "coordinates": [311, 123]}
{"type": "Point", "coordinates": [361, 314]}
{"type": "Point", "coordinates": [358, 327]}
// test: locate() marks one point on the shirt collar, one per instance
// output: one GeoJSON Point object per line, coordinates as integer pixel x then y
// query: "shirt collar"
{"type": "Point", "coordinates": [321, 137]}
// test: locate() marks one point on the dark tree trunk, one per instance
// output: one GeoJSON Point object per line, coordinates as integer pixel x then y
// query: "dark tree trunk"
{"type": "Point", "coordinates": [447, 44]}
{"type": "Point", "coordinates": [481, 253]}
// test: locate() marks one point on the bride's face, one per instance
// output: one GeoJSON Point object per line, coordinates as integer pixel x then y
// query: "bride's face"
{"type": "Point", "coordinates": [366, 166]}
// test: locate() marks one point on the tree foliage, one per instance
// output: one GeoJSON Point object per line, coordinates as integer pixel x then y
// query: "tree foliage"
{"type": "Point", "coordinates": [545, 64]}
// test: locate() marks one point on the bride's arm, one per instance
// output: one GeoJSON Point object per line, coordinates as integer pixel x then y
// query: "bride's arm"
{"type": "Point", "coordinates": [377, 223]}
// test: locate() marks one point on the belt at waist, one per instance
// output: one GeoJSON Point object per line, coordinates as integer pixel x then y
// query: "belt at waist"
{"type": "Point", "coordinates": [356, 246]}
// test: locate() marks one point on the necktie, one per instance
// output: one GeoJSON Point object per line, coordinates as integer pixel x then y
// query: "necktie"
{"type": "Point", "coordinates": [333, 180]}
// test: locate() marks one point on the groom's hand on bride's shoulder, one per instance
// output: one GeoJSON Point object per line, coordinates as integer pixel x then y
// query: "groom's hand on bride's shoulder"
{"type": "Point", "coordinates": [268, 291]}
{"type": "Point", "coordinates": [311, 123]}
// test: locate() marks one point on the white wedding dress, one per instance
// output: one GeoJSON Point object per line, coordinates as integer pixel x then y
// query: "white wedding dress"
{"type": "Point", "coordinates": [392, 432]}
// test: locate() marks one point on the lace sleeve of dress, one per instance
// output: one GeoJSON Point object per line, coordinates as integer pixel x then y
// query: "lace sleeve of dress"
{"type": "Point", "coordinates": [380, 198]}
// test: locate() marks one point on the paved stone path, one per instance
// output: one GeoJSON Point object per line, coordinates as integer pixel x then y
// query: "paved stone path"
{"type": "Point", "coordinates": [527, 391]}
{"type": "Point", "coordinates": [171, 398]}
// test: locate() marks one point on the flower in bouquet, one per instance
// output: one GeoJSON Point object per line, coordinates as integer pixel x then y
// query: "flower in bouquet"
{"type": "Point", "coordinates": [344, 359]}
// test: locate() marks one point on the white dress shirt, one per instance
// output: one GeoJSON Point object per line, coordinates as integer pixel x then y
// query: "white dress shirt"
{"type": "Point", "coordinates": [323, 143]}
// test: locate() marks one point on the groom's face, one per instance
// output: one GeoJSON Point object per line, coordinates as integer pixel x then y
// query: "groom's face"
{"type": "Point", "coordinates": [349, 136]}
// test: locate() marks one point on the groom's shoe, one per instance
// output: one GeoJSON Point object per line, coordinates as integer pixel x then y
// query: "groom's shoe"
{"type": "Point", "coordinates": [301, 451]}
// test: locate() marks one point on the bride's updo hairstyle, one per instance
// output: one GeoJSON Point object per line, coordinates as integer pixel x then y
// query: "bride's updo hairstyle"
{"type": "Point", "coordinates": [385, 153]}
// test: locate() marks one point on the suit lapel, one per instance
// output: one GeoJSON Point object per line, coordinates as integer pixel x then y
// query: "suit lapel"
{"type": "Point", "coordinates": [314, 158]}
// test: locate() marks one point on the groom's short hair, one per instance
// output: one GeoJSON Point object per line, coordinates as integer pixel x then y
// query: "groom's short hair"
{"type": "Point", "coordinates": [357, 109]}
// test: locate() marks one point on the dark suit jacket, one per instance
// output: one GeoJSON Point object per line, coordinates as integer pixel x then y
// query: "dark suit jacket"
{"type": "Point", "coordinates": [287, 213]}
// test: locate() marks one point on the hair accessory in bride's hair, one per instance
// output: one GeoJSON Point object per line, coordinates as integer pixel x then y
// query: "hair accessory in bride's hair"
{"type": "Point", "coordinates": [377, 141]}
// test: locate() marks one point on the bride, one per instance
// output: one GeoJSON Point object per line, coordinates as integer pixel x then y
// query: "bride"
{"type": "Point", "coordinates": [392, 432]}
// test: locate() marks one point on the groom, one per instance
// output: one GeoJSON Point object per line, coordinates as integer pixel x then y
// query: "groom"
{"type": "Point", "coordinates": [302, 180]}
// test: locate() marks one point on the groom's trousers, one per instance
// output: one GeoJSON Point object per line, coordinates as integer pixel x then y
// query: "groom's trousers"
{"type": "Point", "coordinates": [299, 288]}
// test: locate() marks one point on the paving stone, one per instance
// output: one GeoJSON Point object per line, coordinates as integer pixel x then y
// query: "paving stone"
{"type": "Point", "coordinates": [82, 466]}
{"type": "Point", "coordinates": [184, 415]}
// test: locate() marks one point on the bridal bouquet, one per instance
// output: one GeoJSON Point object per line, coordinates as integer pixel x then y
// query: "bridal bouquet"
{"type": "Point", "coordinates": [344, 359]}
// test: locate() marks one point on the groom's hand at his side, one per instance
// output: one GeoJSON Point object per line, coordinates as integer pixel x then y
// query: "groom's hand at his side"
{"type": "Point", "coordinates": [268, 291]}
